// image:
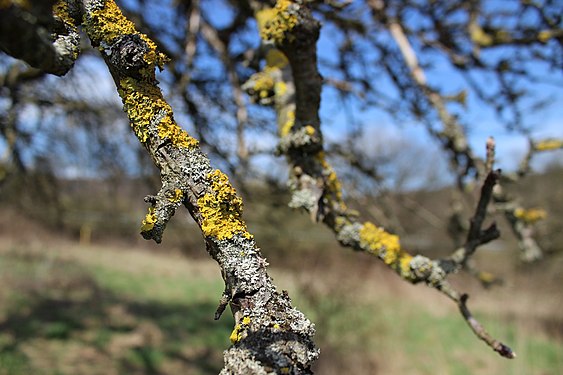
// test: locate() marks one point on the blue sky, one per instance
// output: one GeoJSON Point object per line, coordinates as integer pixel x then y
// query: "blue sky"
{"type": "Point", "coordinates": [479, 117]}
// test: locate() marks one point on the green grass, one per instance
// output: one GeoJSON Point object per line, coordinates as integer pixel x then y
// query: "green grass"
{"type": "Point", "coordinates": [133, 322]}
{"type": "Point", "coordinates": [96, 311]}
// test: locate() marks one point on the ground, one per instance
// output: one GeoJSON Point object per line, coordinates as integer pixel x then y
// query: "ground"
{"type": "Point", "coordinates": [70, 308]}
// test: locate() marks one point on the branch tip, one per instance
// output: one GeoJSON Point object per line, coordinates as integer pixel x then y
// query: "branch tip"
{"type": "Point", "coordinates": [480, 331]}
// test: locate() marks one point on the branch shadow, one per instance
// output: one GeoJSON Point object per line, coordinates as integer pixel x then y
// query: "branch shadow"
{"type": "Point", "coordinates": [101, 330]}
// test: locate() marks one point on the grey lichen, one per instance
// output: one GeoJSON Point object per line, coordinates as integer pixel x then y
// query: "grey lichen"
{"type": "Point", "coordinates": [349, 234]}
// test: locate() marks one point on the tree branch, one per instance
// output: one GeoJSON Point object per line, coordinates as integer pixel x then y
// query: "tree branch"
{"type": "Point", "coordinates": [50, 26]}
{"type": "Point", "coordinates": [315, 187]}
{"type": "Point", "coordinates": [269, 335]}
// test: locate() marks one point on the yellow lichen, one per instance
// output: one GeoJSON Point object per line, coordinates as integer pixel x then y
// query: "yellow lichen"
{"type": "Point", "coordinates": [168, 129]}
{"type": "Point", "coordinates": [479, 36]}
{"type": "Point", "coordinates": [108, 23]}
{"type": "Point", "coordinates": [234, 337]}
{"type": "Point", "coordinates": [221, 209]}
{"type": "Point", "coordinates": [385, 245]}
{"type": "Point", "coordinates": [545, 35]}
{"type": "Point", "coordinates": [24, 4]}
{"type": "Point", "coordinates": [263, 83]}
{"type": "Point", "coordinates": [548, 145]}
{"type": "Point", "coordinates": [287, 123]}
{"type": "Point", "coordinates": [142, 101]}
{"type": "Point", "coordinates": [60, 10]}
{"type": "Point", "coordinates": [239, 330]}
{"type": "Point", "coordinates": [280, 88]}
{"type": "Point", "coordinates": [486, 277]}
{"type": "Point", "coordinates": [276, 59]}
{"type": "Point", "coordinates": [264, 16]}
{"type": "Point", "coordinates": [176, 196]}
{"type": "Point", "coordinates": [275, 23]}
{"type": "Point", "coordinates": [309, 130]}
{"type": "Point", "coordinates": [285, 370]}
{"type": "Point", "coordinates": [405, 264]}
{"type": "Point", "coordinates": [148, 221]}
{"type": "Point", "coordinates": [531, 215]}
{"type": "Point", "coordinates": [332, 182]}
{"type": "Point", "coordinates": [62, 13]}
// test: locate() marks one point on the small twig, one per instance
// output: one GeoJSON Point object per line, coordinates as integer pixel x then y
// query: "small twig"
{"type": "Point", "coordinates": [490, 160]}
{"type": "Point", "coordinates": [476, 236]}
{"type": "Point", "coordinates": [480, 331]}
{"type": "Point", "coordinates": [223, 303]}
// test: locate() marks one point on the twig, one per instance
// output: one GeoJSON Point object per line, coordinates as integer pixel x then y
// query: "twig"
{"type": "Point", "coordinates": [480, 331]}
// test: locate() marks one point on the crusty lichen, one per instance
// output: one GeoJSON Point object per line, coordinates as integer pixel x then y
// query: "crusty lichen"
{"type": "Point", "coordinates": [175, 195]}
{"type": "Point", "coordinates": [386, 246]}
{"type": "Point", "coordinates": [108, 23]}
{"type": "Point", "coordinates": [142, 101]}
{"type": "Point", "coordinates": [263, 84]}
{"type": "Point", "coordinates": [548, 145]}
{"type": "Point", "coordinates": [239, 331]}
{"type": "Point", "coordinates": [24, 4]}
{"type": "Point", "coordinates": [276, 59]}
{"type": "Point", "coordinates": [287, 120]}
{"type": "Point", "coordinates": [221, 209]}
{"type": "Point", "coordinates": [275, 23]}
{"type": "Point", "coordinates": [531, 215]}
{"type": "Point", "coordinates": [333, 184]}
{"type": "Point", "coordinates": [149, 221]}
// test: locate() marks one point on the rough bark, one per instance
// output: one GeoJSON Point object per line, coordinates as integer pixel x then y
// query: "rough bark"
{"type": "Point", "coordinates": [270, 335]}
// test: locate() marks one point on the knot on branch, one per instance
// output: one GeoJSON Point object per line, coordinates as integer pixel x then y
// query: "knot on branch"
{"type": "Point", "coordinates": [127, 53]}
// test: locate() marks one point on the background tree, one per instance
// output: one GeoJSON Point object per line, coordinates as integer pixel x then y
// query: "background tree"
{"type": "Point", "coordinates": [215, 56]}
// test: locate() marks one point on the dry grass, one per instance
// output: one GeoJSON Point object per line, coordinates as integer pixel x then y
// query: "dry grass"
{"type": "Point", "coordinates": [111, 308]}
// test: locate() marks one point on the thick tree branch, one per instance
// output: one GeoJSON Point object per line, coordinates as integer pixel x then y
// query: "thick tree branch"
{"type": "Point", "coordinates": [49, 26]}
{"type": "Point", "coordinates": [270, 335]}
{"type": "Point", "coordinates": [314, 184]}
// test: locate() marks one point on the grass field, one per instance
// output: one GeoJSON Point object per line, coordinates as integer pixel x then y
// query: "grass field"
{"type": "Point", "coordinates": [71, 309]}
